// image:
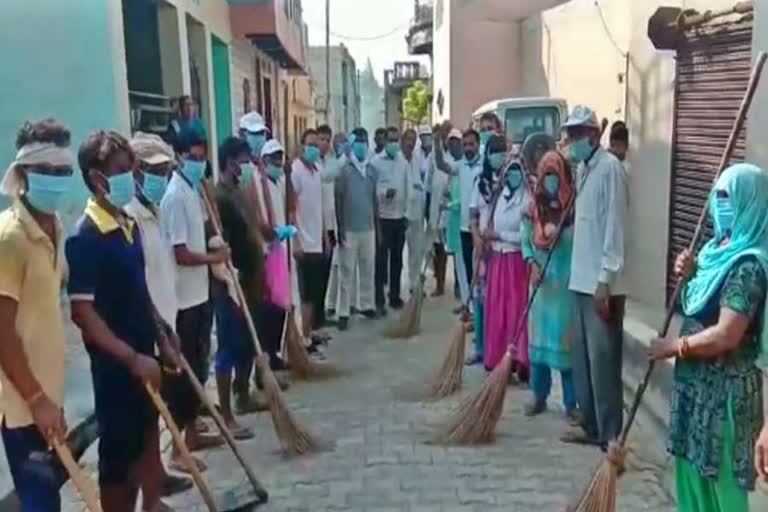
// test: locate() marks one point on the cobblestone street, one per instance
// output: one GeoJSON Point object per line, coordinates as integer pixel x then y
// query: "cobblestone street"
{"type": "Point", "coordinates": [380, 461]}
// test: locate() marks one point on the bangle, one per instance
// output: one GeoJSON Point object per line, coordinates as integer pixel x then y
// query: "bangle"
{"type": "Point", "coordinates": [684, 348]}
{"type": "Point", "coordinates": [31, 401]}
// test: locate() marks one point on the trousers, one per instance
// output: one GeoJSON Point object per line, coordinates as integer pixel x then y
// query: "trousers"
{"type": "Point", "coordinates": [541, 385]}
{"type": "Point", "coordinates": [389, 260]}
{"type": "Point", "coordinates": [357, 259]}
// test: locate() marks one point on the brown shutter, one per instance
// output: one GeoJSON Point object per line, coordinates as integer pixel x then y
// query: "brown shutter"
{"type": "Point", "coordinates": [713, 68]}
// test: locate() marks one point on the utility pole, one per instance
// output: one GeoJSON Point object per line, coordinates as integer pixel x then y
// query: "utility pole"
{"type": "Point", "coordinates": [328, 62]}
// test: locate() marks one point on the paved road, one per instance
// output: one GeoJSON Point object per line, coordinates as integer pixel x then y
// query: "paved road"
{"type": "Point", "coordinates": [380, 461]}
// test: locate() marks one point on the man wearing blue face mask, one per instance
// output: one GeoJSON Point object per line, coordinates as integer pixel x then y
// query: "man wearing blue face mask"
{"type": "Point", "coordinates": [253, 130]}
{"type": "Point", "coordinates": [489, 124]}
{"type": "Point", "coordinates": [183, 218]}
{"type": "Point", "coordinates": [597, 269]}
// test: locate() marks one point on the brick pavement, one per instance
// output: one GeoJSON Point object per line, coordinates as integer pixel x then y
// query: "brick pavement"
{"type": "Point", "coordinates": [380, 461]}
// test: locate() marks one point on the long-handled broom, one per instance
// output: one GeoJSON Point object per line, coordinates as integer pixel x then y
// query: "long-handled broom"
{"type": "Point", "coordinates": [82, 484]}
{"type": "Point", "coordinates": [600, 494]}
{"type": "Point", "coordinates": [475, 422]}
{"type": "Point", "coordinates": [294, 437]}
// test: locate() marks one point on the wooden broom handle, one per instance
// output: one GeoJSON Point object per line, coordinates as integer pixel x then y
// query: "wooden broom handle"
{"type": "Point", "coordinates": [738, 124]}
{"type": "Point", "coordinates": [83, 485]}
{"type": "Point", "coordinates": [216, 222]}
{"type": "Point", "coordinates": [162, 408]}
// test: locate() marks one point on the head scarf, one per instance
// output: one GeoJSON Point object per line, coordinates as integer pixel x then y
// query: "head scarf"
{"type": "Point", "coordinates": [546, 216]}
{"type": "Point", "coordinates": [31, 154]}
{"type": "Point", "coordinates": [488, 179]}
{"type": "Point", "coordinates": [747, 187]}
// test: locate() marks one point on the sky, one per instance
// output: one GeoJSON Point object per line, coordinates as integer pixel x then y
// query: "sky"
{"type": "Point", "coordinates": [355, 19]}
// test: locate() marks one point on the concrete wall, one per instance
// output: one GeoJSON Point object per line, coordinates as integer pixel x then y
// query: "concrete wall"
{"type": "Point", "coordinates": [339, 118]}
{"type": "Point", "coordinates": [441, 60]}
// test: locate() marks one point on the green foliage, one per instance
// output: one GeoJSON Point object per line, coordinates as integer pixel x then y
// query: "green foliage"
{"type": "Point", "coordinates": [416, 102]}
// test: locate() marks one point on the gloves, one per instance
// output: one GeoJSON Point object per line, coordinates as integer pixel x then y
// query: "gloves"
{"type": "Point", "coordinates": [285, 232]}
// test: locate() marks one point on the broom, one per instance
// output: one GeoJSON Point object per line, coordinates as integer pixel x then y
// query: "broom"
{"type": "Point", "coordinates": [476, 419]}
{"type": "Point", "coordinates": [81, 482]}
{"type": "Point", "coordinates": [294, 437]}
{"type": "Point", "coordinates": [600, 495]}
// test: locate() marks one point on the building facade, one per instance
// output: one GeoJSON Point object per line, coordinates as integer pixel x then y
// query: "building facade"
{"type": "Point", "coordinates": [341, 108]}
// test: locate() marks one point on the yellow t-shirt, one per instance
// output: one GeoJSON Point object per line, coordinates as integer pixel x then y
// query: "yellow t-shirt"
{"type": "Point", "coordinates": [31, 270]}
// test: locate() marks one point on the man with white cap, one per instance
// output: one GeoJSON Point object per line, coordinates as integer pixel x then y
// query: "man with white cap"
{"type": "Point", "coordinates": [32, 352]}
{"type": "Point", "coordinates": [597, 269]}
{"type": "Point", "coordinates": [254, 131]}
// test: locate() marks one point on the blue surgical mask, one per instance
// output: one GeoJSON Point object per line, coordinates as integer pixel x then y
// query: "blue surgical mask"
{"type": "Point", "coordinates": [246, 175]}
{"type": "Point", "coordinates": [154, 187]}
{"type": "Point", "coordinates": [496, 160]}
{"type": "Point", "coordinates": [274, 171]}
{"type": "Point", "coordinates": [722, 215]}
{"type": "Point", "coordinates": [46, 192]}
{"type": "Point", "coordinates": [122, 188]}
{"type": "Point", "coordinates": [256, 142]}
{"type": "Point", "coordinates": [552, 184]}
{"type": "Point", "coordinates": [514, 178]}
{"type": "Point", "coordinates": [581, 150]}
{"type": "Point", "coordinates": [311, 154]}
{"type": "Point", "coordinates": [360, 150]}
{"type": "Point", "coordinates": [392, 149]}
{"type": "Point", "coordinates": [485, 136]}
{"type": "Point", "coordinates": [457, 152]}
{"type": "Point", "coordinates": [193, 171]}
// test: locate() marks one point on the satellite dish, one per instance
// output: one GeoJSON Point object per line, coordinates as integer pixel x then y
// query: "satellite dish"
{"type": "Point", "coordinates": [534, 147]}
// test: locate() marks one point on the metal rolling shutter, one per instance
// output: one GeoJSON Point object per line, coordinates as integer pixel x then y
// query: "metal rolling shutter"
{"type": "Point", "coordinates": [713, 68]}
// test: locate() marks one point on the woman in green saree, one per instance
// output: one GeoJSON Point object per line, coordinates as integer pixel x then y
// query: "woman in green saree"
{"type": "Point", "coordinates": [717, 404]}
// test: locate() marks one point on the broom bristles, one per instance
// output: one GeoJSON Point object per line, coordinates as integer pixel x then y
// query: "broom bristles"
{"type": "Point", "coordinates": [409, 322]}
{"type": "Point", "coordinates": [294, 437]}
{"type": "Point", "coordinates": [450, 376]}
{"type": "Point", "coordinates": [475, 422]}
{"type": "Point", "coordinates": [302, 367]}
{"type": "Point", "coordinates": [600, 495]}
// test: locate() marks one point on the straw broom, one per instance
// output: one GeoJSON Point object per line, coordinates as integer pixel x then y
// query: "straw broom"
{"type": "Point", "coordinates": [82, 483]}
{"type": "Point", "coordinates": [600, 494]}
{"type": "Point", "coordinates": [294, 437]}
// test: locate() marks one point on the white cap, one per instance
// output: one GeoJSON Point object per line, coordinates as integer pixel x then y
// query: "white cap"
{"type": "Point", "coordinates": [151, 149]}
{"type": "Point", "coordinates": [582, 116]}
{"type": "Point", "coordinates": [271, 147]}
{"type": "Point", "coordinates": [252, 122]}
{"type": "Point", "coordinates": [455, 134]}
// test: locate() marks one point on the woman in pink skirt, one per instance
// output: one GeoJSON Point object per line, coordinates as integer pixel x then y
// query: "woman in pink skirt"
{"type": "Point", "coordinates": [506, 293]}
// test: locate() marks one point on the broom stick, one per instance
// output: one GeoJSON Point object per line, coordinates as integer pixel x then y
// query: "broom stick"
{"type": "Point", "coordinates": [295, 438]}
{"type": "Point", "coordinates": [81, 482]}
{"type": "Point", "coordinates": [162, 408]}
{"type": "Point", "coordinates": [219, 420]}
{"type": "Point", "coordinates": [604, 479]}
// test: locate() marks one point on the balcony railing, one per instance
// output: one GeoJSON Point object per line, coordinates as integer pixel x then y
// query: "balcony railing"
{"type": "Point", "coordinates": [419, 36]}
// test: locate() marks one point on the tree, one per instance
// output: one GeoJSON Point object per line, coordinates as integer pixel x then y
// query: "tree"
{"type": "Point", "coordinates": [416, 102]}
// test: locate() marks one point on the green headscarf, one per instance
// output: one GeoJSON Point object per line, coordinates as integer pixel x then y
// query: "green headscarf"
{"type": "Point", "coordinates": [747, 188]}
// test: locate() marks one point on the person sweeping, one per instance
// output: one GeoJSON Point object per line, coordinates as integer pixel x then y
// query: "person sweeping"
{"type": "Point", "coordinates": [551, 320]}
{"type": "Point", "coordinates": [717, 404]}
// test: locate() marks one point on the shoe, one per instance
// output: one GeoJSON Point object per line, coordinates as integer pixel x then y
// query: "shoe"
{"type": "Point", "coordinates": [382, 311]}
{"type": "Point", "coordinates": [173, 485]}
{"type": "Point", "coordinates": [473, 360]}
{"type": "Point", "coordinates": [535, 408]}
{"type": "Point", "coordinates": [396, 304]}
{"type": "Point", "coordinates": [573, 417]}
{"type": "Point", "coordinates": [353, 310]}
{"type": "Point", "coordinates": [370, 314]}
{"type": "Point", "coordinates": [343, 323]}
{"type": "Point", "coordinates": [578, 436]}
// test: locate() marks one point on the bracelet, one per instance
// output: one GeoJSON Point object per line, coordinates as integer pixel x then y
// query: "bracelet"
{"type": "Point", "coordinates": [684, 348]}
{"type": "Point", "coordinates": [31, 401]}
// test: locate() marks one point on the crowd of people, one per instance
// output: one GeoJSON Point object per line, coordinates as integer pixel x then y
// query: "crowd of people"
{"type": "Point", "coordinates": [318, 236]}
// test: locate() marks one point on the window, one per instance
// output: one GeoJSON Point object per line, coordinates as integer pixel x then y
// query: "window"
{"type": "Point", "coordinates": [519, 123]}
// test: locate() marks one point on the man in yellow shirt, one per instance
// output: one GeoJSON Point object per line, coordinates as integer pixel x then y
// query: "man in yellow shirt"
{"type": "Point", "coordinates": [32, 352]}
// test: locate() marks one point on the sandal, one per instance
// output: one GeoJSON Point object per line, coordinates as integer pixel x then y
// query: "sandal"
{"type": "Point", "coordinates": [180, 467]}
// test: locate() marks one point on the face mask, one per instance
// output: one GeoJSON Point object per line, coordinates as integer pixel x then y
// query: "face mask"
{"type": "Point", "coordinates": [274, 171]}
{"type": "Point", "coordinates": [256, 142]}
{"type": "Point", "coordinates": [496, 160]}
{"type": "Point", "coordinates": [426, 144]}
{"type": "Point", "coordinates": [154, 187]}
{"type": "Point", "coordinates": [457, 152]}
{"type": "Point", "coordinates": [392, 149]}
{"type": "Point", "coordinates": [514, 178]}
{"type": "Point", "coordinates": [581, 150]}
{"type": "Point", "coordinates": [46, 192]}
{"type": "Point", "coordinates": [723, 215]}
{"type": "Point", "coordinates": [122, 188]}
{"type": "Point", "coordinates": [193, 171]}
{"type": "Point", "coordinates": [311, 154]}
{"type": "Point", "coordinates": [246, 175]}
{"type": "Point", "coordinates": [552, 184]}
{"type": "Point", "coordinates": [485, 136]}
{"type": "Point", "coordinates": [360, 150]}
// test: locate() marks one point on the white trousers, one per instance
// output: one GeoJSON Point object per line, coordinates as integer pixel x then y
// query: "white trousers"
{"type": "Point", "coordinates": [415, 237]}
{"type": "Point", "coordinates": [358, 255]}
{"type": "Point", "coordinates": [332, 294]}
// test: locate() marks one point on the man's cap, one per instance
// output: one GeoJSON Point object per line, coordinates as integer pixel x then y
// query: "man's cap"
{"type": "Point", "coordinates": [151, 149]}
{"type": "Point", "coordinates": [455, 134]}
{"type": "Point", "coordinates": [582, 116]}
{"type": "Point", "coordinates": [271, 147]}
{"type": "Point", "coordinates": [252, 122]}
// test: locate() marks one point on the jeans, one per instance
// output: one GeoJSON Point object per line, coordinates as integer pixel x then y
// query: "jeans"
{"type": "Point", "coordinates": [33, 469]}
{"type": "Point", "coordinates": [389, 260]}
{"type": "Point", "coordinates": [541, 385]}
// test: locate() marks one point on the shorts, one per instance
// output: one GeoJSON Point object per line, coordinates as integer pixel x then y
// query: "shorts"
{"type": "Point", "coordinates": [233, 341]}
{"type": "Point", "coordinates": [313, 275]}
{"type": "Point", "coordinates": [36, 472]}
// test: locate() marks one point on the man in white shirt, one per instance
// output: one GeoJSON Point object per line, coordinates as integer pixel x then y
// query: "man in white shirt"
{"type": "Point", "coordinates": [470, 169]}
{"type": "Point", "coordinates": [183, 218]}
{"type": "Point", "coordinates": [392, 195]}
{"type": "Point", "coordinates": [329, 167]}
{"type": "Point", "coordinates": [415, 209]}
{"type": "Point", "coordinates": [311, 244]}
{"type": "Point", "coordinates": [597, 269]}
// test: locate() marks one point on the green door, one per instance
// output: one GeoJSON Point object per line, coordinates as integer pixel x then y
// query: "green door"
{"type": "Point", "coordinates": [221, 88]}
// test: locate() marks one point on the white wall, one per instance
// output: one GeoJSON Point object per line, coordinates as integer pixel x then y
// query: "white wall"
{"type": "Point", "coordinates": [441, 58]}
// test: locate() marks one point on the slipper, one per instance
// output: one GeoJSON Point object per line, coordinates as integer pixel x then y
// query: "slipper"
{"type": "Point", "coordinates": [206, 441]}
{"type": "Point", "coordinates": [173, 484]}
{"type": "Point", "coordinates": [577, 437]}
{"type": "Point", "coordinates": [201, 427]}
{"type": "Point", "coordinates": [180, 467]}
{"type": "Point", "coordinates": [250, 404]}
{"type": "Point", "coordinates": [241, 433]}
